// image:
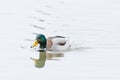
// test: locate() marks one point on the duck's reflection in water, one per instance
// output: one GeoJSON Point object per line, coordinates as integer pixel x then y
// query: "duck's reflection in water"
{"type": "Point", "coordinates": [43, 56]}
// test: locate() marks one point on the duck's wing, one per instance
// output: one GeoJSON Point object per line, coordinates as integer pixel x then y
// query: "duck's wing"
{"type": "Point", "coordinates": [59, 43]}
{"type": "Point", "coordinates": [56, 37]}
{"type": "Point", "coordinates": [62, 43]}
{"type": "Point", "coordinates": [58, 40]}
{"type": "Point", "coordinates": [59, 37]}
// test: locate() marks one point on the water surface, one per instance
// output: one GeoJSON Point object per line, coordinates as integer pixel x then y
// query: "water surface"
{"type": "Point", "coordinates": [93, 29]}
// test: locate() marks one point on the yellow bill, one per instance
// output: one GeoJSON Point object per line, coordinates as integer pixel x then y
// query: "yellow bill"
{"type": "Point", "coordinates": [34, 44]}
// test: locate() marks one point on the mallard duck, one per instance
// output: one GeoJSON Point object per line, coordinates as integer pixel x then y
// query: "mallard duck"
{"type": "Point", "coordinates": [56, 43]}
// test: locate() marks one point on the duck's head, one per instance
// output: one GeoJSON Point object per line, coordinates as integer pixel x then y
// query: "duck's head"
{"type": "Point", "coordinates": [40, 39]}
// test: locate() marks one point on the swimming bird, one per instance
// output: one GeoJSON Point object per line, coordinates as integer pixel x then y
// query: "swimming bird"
{"type": "Point", "coordinates": [55, 43]}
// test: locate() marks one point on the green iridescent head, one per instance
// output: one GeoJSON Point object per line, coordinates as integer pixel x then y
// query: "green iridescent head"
{"type": "Point", "coordinates": [40, 39]}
